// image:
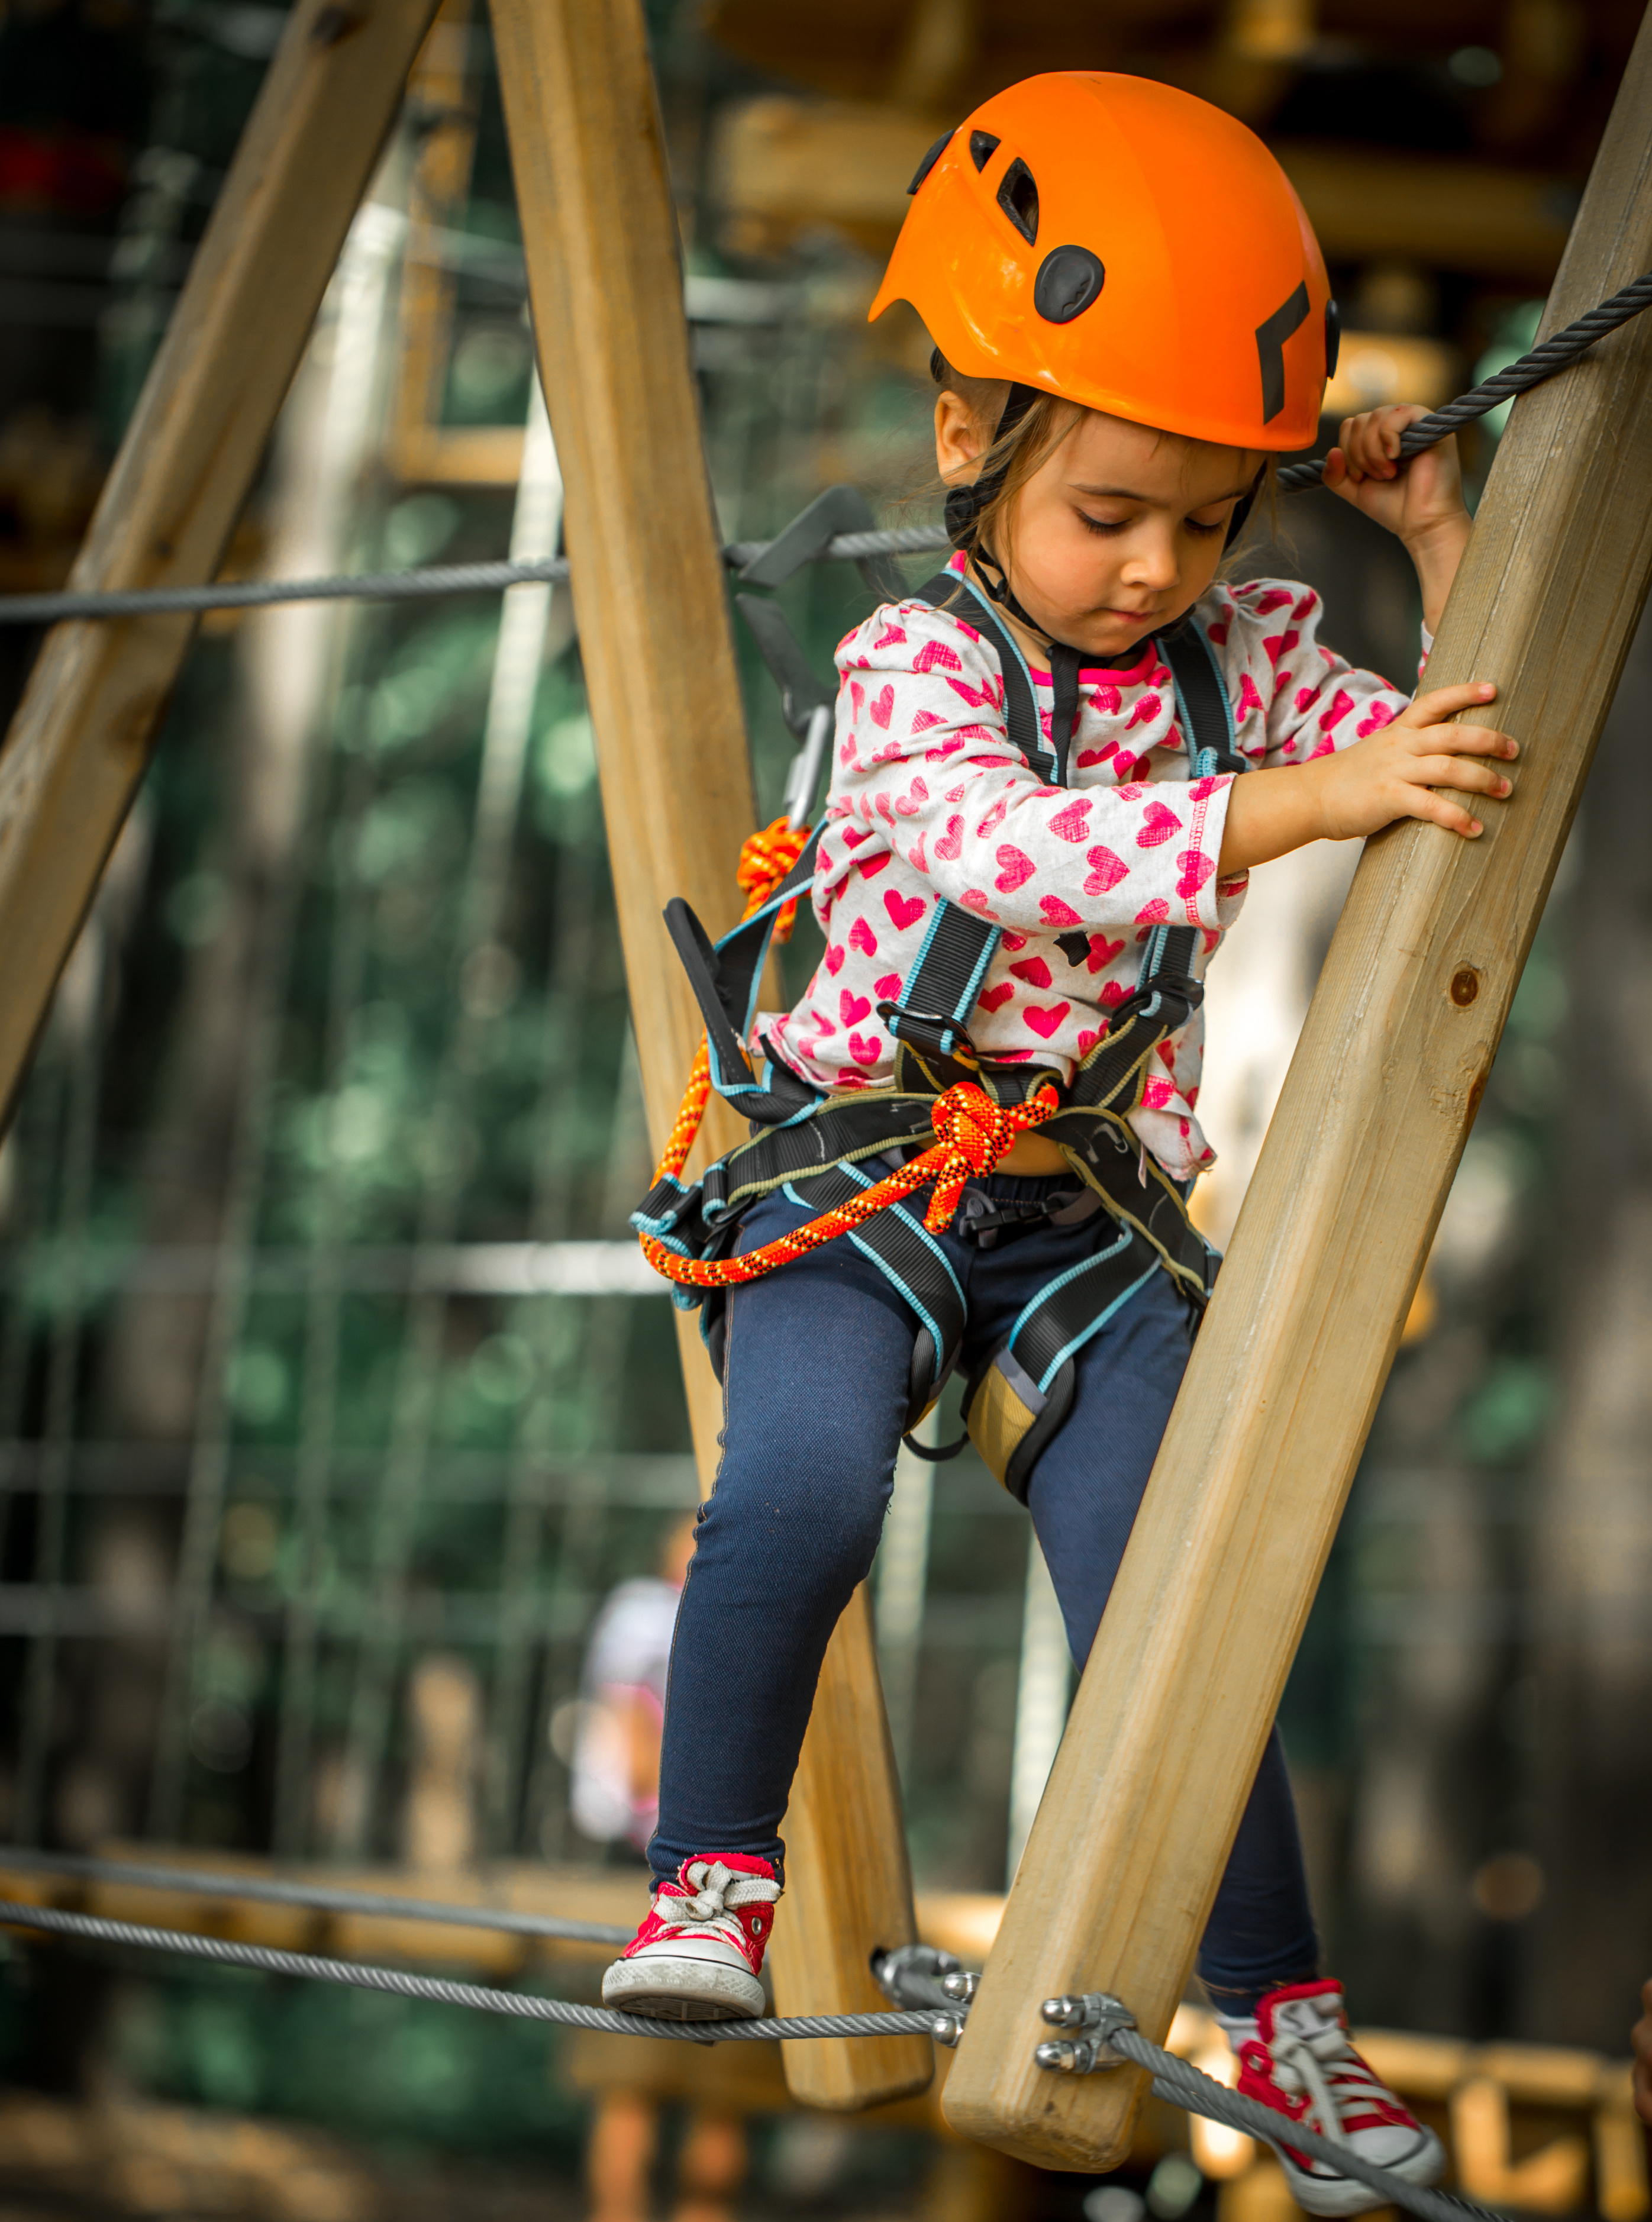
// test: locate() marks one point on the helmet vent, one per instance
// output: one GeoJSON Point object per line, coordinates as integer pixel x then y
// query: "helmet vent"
{"type": "Point", "coordinates": [1069, 280]}
{"type": "Point", "coordinates": [929, 161]}
{"type": "Point", "coordinates": [1333, 337]}
{"type": "Point", "coordinates": [1017, 197]}
{"type": "Point", "coordinates": [983, 148]}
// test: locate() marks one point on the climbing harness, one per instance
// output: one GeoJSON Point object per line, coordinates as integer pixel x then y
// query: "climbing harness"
{"type": "Point", "coordinates": [932, 1992]}
{"type": "Point", "coordinates": [834, 543]}
{"type": "Point", "coordinates": [950, 1115]}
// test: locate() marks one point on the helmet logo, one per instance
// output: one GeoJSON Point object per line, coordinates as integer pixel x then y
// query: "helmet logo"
{"type": "Point", "coordinates": [1069, 280]}
{"type": "Point", "coordinates": [1270, 336]}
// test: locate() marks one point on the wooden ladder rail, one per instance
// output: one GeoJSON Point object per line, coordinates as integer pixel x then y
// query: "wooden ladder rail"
{"type": "Point", "coordinates": [605, 281]}
{"type": "Point", "coordinates": [1191, 1662]}
{"type": "Point", "coordinates": [85, 730]}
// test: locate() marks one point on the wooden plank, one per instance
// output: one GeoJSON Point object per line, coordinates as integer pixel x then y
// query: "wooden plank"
{"type": "Point", "coordinates": [83, 732]}
{"type": "Point", "coordinates": [1191, 1659]}
{"type": "Point", "coordinates": [606, 285]}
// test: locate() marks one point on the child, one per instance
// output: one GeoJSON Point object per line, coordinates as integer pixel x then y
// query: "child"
{"type": "Point", "coordinates": [1132, 318]}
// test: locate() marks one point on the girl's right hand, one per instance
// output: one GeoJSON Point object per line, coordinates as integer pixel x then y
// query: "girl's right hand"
{"type": "Point", "coordinates": [1394, 773]}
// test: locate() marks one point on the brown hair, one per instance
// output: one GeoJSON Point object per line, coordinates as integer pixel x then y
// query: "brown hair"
{"type": "Point", "coordinates": [1014, 458]}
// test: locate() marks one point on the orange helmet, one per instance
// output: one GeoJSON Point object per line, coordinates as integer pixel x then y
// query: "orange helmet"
{"type": "Point", "coordinates": [1124, 245]}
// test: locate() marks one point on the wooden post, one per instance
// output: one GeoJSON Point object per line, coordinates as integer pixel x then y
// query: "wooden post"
{"type": "Point", "coordinates": [1185, 1675]}
{"type": "Point", "coordinates": [83, 732]}
{"type": "Point", "coordinates": [605, 283]}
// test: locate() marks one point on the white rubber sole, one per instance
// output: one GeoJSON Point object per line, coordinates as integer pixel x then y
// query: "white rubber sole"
{"type": "Point", "coordinates": [1342, 2196]}
{"type": "Point", "coordinates": [682, 1990]}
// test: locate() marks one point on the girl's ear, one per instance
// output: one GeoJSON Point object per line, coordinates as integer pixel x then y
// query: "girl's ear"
{"type": "Point", "coordinates": [958, 443]}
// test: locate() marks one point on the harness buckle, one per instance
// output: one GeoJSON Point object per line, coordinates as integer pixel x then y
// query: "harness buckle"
{"type": "Point", "coordinates": [931, 1031]}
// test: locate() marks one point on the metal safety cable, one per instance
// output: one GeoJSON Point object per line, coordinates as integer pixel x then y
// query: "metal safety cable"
{"type": "Point", "coordinates": [522, 2005]}
{"type": "Point", "coordinates": [437, 579]}
{"type": "Point", "coordinates": [318, 1898]}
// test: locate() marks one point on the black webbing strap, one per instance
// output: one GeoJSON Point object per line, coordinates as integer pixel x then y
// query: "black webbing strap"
{"type": "Point", "coordinates": [1202, 698]}
{"type": "Point", "coordinates": [724, 975]}
{"type": "Point", "coordinates": [909, 1257]}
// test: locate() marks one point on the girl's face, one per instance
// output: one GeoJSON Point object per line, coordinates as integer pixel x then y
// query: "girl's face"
{"type": "Point", "coordinates": [1119, 529]}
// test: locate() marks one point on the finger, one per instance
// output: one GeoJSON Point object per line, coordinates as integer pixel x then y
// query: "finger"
{"type": "Point", "coordinates": [1442, 702]}
{"type": "Point", "coordinates": [1462, 774]}
{"type": "Point", "coordinates": [1437, 810]}
{"type": "Point", "coordinates": [1467, 740]}
{"type": "Point", "coordinates": [1336, 469]}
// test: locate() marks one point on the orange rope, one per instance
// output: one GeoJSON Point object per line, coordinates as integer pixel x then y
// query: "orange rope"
{"type": "Point", "coordinates": [973, 1132]}
{"type": "Point", "coordinates": [765, 859]}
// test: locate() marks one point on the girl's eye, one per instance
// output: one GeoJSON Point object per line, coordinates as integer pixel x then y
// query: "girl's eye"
{"type": "Point", "coordinates": [1195, 524]}
{"type": "Point", "coordinates": [1099, 524]}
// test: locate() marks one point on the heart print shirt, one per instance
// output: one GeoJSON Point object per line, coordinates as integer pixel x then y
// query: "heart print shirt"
{"type": "Point", "coordinates": [930, 797]}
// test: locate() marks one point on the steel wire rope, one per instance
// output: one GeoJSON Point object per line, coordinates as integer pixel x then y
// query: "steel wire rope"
{"type": "Point", "coordinates": [311, 1897]}
{"type": "Point", "coordinates": [1542, 362]}
{"type": "Point", "coordinates": [524, 2005]}
{"type": "Point", "coordinates": [1182, 2085]}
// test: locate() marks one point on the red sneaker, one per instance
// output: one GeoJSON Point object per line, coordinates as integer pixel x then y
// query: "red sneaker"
{"type": "Point", "coordinates": [1298, 2057]}
{"type": "Point", "coordinates": [698, 1955]}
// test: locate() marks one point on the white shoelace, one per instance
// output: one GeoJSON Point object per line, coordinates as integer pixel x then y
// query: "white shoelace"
{"type": "Point", "coordinates": [718, 1891]}
{"type": "Point", "coordinates": [1305, 2059]}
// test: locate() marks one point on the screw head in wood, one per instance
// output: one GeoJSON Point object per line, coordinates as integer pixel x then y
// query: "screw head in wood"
{"type": "Point", "coordinates": [1465, 986]}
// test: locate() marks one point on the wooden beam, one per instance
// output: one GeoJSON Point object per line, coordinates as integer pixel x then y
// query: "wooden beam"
{"type": "Point", "coordinates": [785, 164]}
{"type": "Point", "coordinates": [83, 733]}
{"type": "Point", "coordinates": [605, 284]}
{"type": "Point", "coordinates": [1188, 1669]}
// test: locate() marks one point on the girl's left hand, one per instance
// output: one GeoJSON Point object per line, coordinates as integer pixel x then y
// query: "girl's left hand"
{"type": "Point", "coordinates": [1413, 498]}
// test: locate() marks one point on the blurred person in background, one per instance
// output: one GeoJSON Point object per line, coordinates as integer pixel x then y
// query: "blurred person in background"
{"type": "Point", "coordinates": [615, 1791]}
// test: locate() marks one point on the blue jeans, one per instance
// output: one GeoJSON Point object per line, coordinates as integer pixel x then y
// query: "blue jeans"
{"type": "Point", "coordinates": [815, 1384]}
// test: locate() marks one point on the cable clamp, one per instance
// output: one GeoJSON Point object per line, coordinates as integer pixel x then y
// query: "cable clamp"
{"type": "Point", "coordinates": [1092, 2018]}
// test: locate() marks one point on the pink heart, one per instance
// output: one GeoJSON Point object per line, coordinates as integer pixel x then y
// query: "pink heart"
{"type": "Point", "coordinates": [1014, 941]}
{"type": "Point", "coordinates": [884, 708]}
{"type": "Point", "coordinates": [975, 899]}
{"type": "Point", "coordinates": [834, 958]}
{"type": "Point", "coordinates": [1196, 868]}
{"type": "Point", "coordinates": [888, 986]}
{"type": "Point", "coordinates": [994, 999]}
{"type": "Point", "coordinates": [1087, 1040]}
{"type": "Point", "coordinates": [1158, 823]}
{"type": "Point", "coordinates": [1154, 912]}
{"type": "Point", "coordinates": [861, 937]}
{"type": "Point", "coordinates": [1103, 952]}
{"type": "Point", "coordinates": [865, 1049]}
{"type": "Point", "coordinates": [1033, 971]}
{"type": "Point", "coordinates": [950, 843]}
{"type": "Point", "coordinates": [1058, 912]}
{"type": "Point", "coordinates": [1105, 871]}
{"type": "Point", "coordinates": [912, 801]}
{"type": "Point", "coordinates": [1016, 868]}
{"type": "Point", "coordinates": [821, 1020]}
{"type": "Point", "coordinates": [904, 910]}
{"type": "Point", "coordinates": [1068, 824]}
{"type": "Point", "coordinates": [916, 857]}
{"type": "Point", "coordinates": [934, 655]}
{"type": "Point", "coordinates": [1044, 1019]}
{"type": "Point", "coordinates": [854, 835]}
{"type": "Point", "coordinates": [1112, 992]}
{"type": "Point", "coordinates": [1095, 756]}
{"type": "Point", "coordinates": [868, 865]}
{"type": "Point", "coordinates": [851, 1009]}
{"type": "Point", "coordinates": [993, 817]}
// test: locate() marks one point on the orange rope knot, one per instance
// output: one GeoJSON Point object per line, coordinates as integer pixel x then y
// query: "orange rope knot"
{"type": "Point", "coordinates": [973, 1131]}
{"type": "Point", "coordinates": [765, 859]}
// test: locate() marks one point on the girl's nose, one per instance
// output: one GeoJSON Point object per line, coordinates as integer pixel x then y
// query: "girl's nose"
{"type": "Point", "coordinates": [1151, 563]}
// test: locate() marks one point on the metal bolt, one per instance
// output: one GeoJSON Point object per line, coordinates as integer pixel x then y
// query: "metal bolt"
{"type": "Point", "coordinates": [946, 2029]}
{"type": "Point", "coordinates": [1056, 2054]}
{"type": "Point", "coordinates": [1067, 2012]}
{"type": "Point", "coordinates": [962, 1984]}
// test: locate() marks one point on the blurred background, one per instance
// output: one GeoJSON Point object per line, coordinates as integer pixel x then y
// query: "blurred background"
{"type": "Point", "coordinates": [343, 1456]}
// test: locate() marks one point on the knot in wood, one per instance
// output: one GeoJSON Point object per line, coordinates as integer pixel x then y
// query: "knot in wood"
{"type": "Point", "coordinates": [1465, 986]}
